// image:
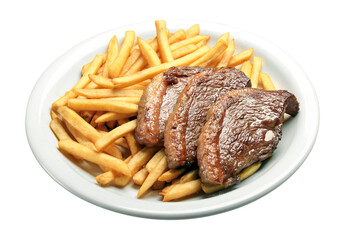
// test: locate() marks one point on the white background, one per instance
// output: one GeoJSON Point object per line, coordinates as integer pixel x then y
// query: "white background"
{"type": "Point", "coordinates": [321, 200]}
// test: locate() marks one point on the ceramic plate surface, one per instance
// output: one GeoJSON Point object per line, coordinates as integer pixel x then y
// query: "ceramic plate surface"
{"type": "Point", "coordinates": [299, 134]}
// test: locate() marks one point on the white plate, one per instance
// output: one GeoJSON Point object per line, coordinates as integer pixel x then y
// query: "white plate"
{"type": "Point", "coordinates": [299, 134]}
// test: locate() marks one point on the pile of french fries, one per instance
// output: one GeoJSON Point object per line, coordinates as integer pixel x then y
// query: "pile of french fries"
{"type": "Point", "coordinates": [96, 119]}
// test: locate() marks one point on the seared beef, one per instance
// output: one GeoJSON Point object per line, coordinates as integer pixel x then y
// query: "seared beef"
{"type": "Point", "coordinates": [189, 115]}
{"type": "Point", "coordinates": [243, 127]}
{"type": "Point", "coordinates": [158, 101]}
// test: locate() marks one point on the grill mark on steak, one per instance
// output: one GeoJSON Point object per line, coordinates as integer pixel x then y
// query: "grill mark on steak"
{"type": "Point", "coordinates": [243, 127]}
{"type": "Point", "coordinates": [189, 115]}
{"type": "Point", "coordinates": [158, 101]}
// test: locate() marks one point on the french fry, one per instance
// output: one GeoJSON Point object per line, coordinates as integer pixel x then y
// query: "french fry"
{"type": "Point", "coordinates": [84, 80]}
{"type": "Point", "coordinates": [122, 180]}
{"type": "Point", "coordinates": [110, 116]}
{"type": "Point", "coordinates": [177, 36]}
{"type": "Point", "coordinates": [137, 66]}
{"type": "Point", "coordinates": [151, 72]}
{"type": "Point", "coordinates": [141, 158]}
{"type": "Point", "coordinates": [108, 93]}
{"type": "Point", "coordinates": [122, 142]}
{"type": "Point", "coordinates": [79, 137]}
{"type": "Point", "coordinates": [215, 61]}
{"type": "Point", "coordinates": [133, 145]}
{"type": "Point", "coordinates": [113, 50]}
{"type": "Point", "coordinates": [201, 43]}
{"type": "Point", "coordinates": [85, 128]}
{"type": "Point", "coordinates": [90, 155]}
{"type": "Point", "coordinates": [102, 105]}
{"type": "Point", "coordinates": [171, 174]}
{"type": "Point", "coordinates": [266, 82]}
{"type": "Point", "coordinates": [193, 31]}
{"type": "Point", "coordinates": [140, 176]}
{"type": "Point", "coordinates": [215, 51]}
{"type": "Point", "coordinates": [192, 175]}
{"type": "Point", "coordinates": [95, 117]}
{"type": "Point", "coordinates": [182, 190]}
{"type": "Point", "coordinates": [247, 172]}
{"type": "Point", "coordinates": [241, 57]}
{"type": "Point", "coordinates": [114, 134]}
{"type": "Point", "coordinates": [163, 41]}
{"type": "Point", "coordinates": [53, 114]}
{"type": "Point", "coordinates": [246, 68]}
{"type": "Point", "coordinates": [255, 71]}
{"type": "Point", "coordinates": [155, 173]}
{"type": "Point", "coordinates": [85, 67]}
{"type": "Point", "coordinates": [148, 53]}
{"type": "Point", "coordinates": [155, 159]}
{"type": "Point", "coordinates": [101, 81]}
{"type": "Point", "coordinates": [136, 54]}
{"type": "Point", "coordinates": [158, 185]}
{"type": "Point", "coordinates": [118, 63]}
{"type": "Point", "coordinates": [87, 115]}
{"type": "Point", "coordinates": [193, 40]}
{"type": "Point", "coordinates": [135, 87]}
{"type": "Point", "coordinates": [58, 129]}
{"type": "Point", "coordinates": [227, 55]}
{"type": "Point", "coordinates": [100, 70]}
{"type": "Point", "coordinates": [105, 178]}
{"type": "Point", "coordinates": [180, 52]}
{"type": "Point", "coordinates": [134, 100]}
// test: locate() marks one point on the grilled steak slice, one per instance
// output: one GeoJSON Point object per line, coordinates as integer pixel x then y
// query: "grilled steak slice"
{"type": "Point", "coordinates": [243, 127]}
{"type": "Point", "coordinates": [158, 101]}
{"type": "Point", "coordinates": [189, 115]}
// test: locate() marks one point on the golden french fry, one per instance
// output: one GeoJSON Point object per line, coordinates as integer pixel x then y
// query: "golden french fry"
{"type": "Point", "coordinates": [201, 43]}
{"type": "Point", "coordinates": [267, 82]}
{"type": "Point", "coordinates": [192, 175]}
{"type": "Point", "coordinates": [122, 142]}
{"type": "Point", "coordinates": [79, 137]}
{"type": "Point", "coordinates": [102, 105]}
{"type": "Point", "coordinates": [140, 176]}
{"type": "Point", "coordinates": [84, 80]}
{"type": "Point", "coordinates": [101, 81]}
{"type": "Point", "coordinates": [113, 50]}
{"type": "Point", "coordinates": [118, 63]}
{"type": "Point", "coordinates": [215, 51]}
{"type": "Point", "coordinates": [95, 117]}
{"type": "Point", "coordinates": [122, 180]}
{"type": "Point", "coordinates": [177, 36]}
{"type": "Point", "coordinates": [108, 93]}
{"type": "Point", "coordinates": [193, 40]}
{"type": "Point", "coordinates": [163, 41]}
{"type": "Point", "coordinates": [135, 87]}
{"type": "Point", "coordinates": [134, 100]}
{"type": "Point", "coordinates": [110, 116]}
{"type": "Point", "coordinates": [87, 115]}
{"type": "Point", "coordinates": [141, 158]}
{"type": "Point", "coordinates": [148, 53]}
{"type": "Point", "coordinates": [105, 178]}
{"type": "Point", "coordinates": [151, 72]}
{"type": "Point", "coordinates": [241, 57]}
{"type": "Point", "coordinates": [90, 155]}
{"type": "Point", "coordinates": [155, 173]}
{"type": "Point", "coordinates": [255, 71]}
{"type": "Point", "coordinates": [114, 134]}
{"type": "Point", "coordinates": [85, 128]}
{"type": "Point", "coordinates": [100, 71]}
{"type": "Point", "coordinates": [246, 68]}
{"type": "Point", "coordinates": [155, 159]}
{"type": "Point", "coordinates": [193, 31]}
{"type": "Point", "coordinates": [85, 67]}
{"type": "Point", "coordinates": [182, 190]}
{"type": "Point", "coordinates": [58, 129]}
{"type": "Point", "coordinates": [53, 114]}
{"type": "Point", "coordinates": [227, 55]}
{"type": "Point", "coordinates": [133, 145]}
{"type": "Point", "coordinates": [180, 52]}
{"type": "Point", "coordinates": [171, 174]}
{"type": "Point", "coordinates": [211, 188]}
{"type": "Point", "coordinates": [247, 172]}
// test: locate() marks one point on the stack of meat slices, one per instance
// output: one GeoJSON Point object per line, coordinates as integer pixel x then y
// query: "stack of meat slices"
{"type": "Point", "coordinates": [212, 117]}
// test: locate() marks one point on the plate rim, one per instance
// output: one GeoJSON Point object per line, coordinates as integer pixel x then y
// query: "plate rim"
{"type": "Point", "coordinates": [219, 208]}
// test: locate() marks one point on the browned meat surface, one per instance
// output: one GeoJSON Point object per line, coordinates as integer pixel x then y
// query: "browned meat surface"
{"type": "Point", "coordinates": [243, 127]}
{"type": "Point", "coordinates": [158, 101]}
{"type": "Point", "coordinates": [189, 115]}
